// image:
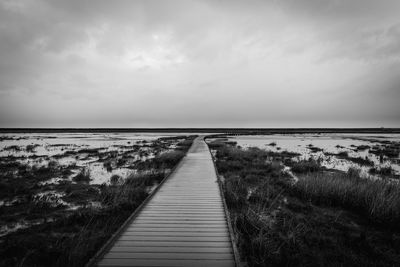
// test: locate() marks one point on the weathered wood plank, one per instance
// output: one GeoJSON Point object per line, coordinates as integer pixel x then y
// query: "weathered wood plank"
{"type": "Point", "coordinates": [175, 238]}
{"type": "Point", "coordinates": [168, 219]}
{"type": "Point", "coordinates": [122, 243]}
{"type": "Point", "coordinates": [176, 229]}
{"type": "Point", "coordinates": [174, 249]}
{"type": "Point", "coordinates": [182, 205]}
{"type": "Point", "coordinates": [176, 233]}
{"type": "Point", "coordinates": [181, 211]}
{"type": "Point", "coordinates": [184, 224]}
{"type": "Point", "coordinates": [166, 263]}
{"type": "Point", "coordinates": [178, 225]}
{"type": "Point", "coordinates": [169, 256]}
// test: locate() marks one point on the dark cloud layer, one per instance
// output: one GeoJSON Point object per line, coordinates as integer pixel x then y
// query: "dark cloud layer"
{"type": "Point", "coordinates": [287, 63]}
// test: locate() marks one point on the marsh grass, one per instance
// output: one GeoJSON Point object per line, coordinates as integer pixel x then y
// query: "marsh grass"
{"type": "Point", "coordinates": [82, 176]}
{"type": "Point", "coordinates": [378, 200]}
{"type": "Point", "coordinates": [115, 179]}
{"type": "Point", "coordinates": [72, 238]}
{"type": "Point", "coordinates": [314, 148]}
{"type": "Point", "coordinates": [31, 148]}
{"type": "Point", "coordinates": [390, 150]}
{"type": "Point", "coordinates": [305, 166]}
{"type": "Point", "coordinates": [322, 220]}
{"type": "Point", "coordinates": [161, 161]}
{"type": "Point", "coordinates": [17, 179]}
{"type": "Point", "coordinates": [359, 160]}
{"type": "Point", "coordinates": [108, 165]}
{"type": "Point", "coordinates": [384, 171]}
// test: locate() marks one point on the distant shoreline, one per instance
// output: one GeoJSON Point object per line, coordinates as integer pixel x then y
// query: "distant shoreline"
{"type": "Point", "coordinates": [240, 131]}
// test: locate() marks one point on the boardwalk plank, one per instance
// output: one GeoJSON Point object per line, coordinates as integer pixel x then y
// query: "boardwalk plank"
{"type": "Point", "coordinates": [166, 263]}
{"type": "Point", "coordinates": [122, 243]}
{"type": "Point", "coordinates": [175, 238]}
{"type": "Point", "coordinates": [176, 229]}
{"type": "Point", "coordinates": [181, 211]}
{"type": "Point", "coordinates": [179, 225]}
{"type": "Point", "coordinates": [169, 256]}
{"type": "Point", "coordinates": [179, 233]}
{"type": "Point", "coordinates": [174, 249]}
{"type": "Point", "coordinates": [184, 224]}
{"type": "Point", "coordinates": [169, 219]}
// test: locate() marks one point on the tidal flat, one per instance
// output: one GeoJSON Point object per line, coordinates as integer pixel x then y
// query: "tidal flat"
{"type": "Point", "coordinates": [376, 155]}
{"type": "Point", "coordinates": [294, 199]}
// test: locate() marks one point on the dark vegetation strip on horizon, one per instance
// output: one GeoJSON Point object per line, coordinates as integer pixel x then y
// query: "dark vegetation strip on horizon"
{"type": "Point", "coordinates": [326, 218]}
{"type": "Point", "coordinates": [202, 130]}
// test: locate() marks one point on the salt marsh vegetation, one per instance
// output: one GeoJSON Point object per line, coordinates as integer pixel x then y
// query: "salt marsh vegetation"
{"type": "Point", "coordinates": [290, 207]}
{"type": "Point", "coordinates": [63, 195]}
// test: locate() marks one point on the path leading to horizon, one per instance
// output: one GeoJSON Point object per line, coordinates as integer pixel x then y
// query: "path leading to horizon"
{"type": "Point", "coordinates": [184, 224]}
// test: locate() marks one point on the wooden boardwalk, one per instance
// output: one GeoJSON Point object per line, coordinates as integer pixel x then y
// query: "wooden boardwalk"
{"type": "Point", "coordinates": [183, 224]}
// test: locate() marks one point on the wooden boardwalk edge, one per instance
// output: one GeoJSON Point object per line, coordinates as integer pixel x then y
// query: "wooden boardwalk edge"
{"type": "Point", "coordinates": [236, 253]}
{"type": "Point", "coordinates": [111, 241]}
{"type": "Point", "coordinates": [184, 221]}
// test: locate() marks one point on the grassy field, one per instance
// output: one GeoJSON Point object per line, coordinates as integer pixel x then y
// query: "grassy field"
{"type": "Point", "coordinates": [72, 238]}
{"type": "Point", "coordinates": [321, 218]}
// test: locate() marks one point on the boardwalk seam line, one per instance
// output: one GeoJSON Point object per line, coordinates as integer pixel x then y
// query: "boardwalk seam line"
{"type": "Point", "coordinates": [103, 250]}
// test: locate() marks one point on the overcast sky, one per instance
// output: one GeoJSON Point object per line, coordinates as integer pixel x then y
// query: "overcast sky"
{"type": "Point", "coordinates": [282, 63]}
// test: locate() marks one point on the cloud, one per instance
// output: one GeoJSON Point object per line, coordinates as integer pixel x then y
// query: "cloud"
{"type": "Point", "coordinates": [199, 63]}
